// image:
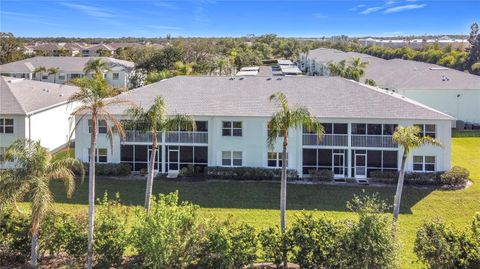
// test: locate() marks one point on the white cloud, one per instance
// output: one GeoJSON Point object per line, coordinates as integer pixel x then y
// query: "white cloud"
{"type": "Point", "coordinates": [403, 8]}
{"type": "Point", "coordinates": [90, 10]}
{"type": "Point", "coordinates": [371, 10]}
{"type": "Point", "coordinates": [357, 7]}
{"type": "Point", "coordinates": [320, 16]}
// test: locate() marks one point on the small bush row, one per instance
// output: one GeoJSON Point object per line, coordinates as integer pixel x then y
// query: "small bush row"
{"type": "Point", "coordinates": [110, 169]}
{"type": "Point", "coordinates": [247, 173]}
{"type": "Point", "coordinates": [321, 175]}
{"type": "Point", "coordinates": [455, 176]}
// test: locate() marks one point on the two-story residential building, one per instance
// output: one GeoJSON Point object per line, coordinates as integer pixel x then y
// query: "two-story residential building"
{"type": "Point", "coordinates": [70, 68]}
{"type": "Point", "coordinates": [448, 90]}
{"type": "Point", "coordinates": [232, 115]}
{"type": "Point", "coordinates": [34, 110]}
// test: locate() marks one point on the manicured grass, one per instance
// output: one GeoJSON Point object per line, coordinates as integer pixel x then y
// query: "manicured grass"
{"type": "Point", "coordinates": [257, 202]}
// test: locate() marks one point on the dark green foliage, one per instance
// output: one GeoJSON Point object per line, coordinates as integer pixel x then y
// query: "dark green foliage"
{"type": "Point", "coordinates": [321, 175]}
{"type": "Point", "coordinates": [110, 169]}
{"type": "Point", "coordinates": [14, 237]}
{"type": "Point", "coordinates": [111, 237]}
{"type": "Point", "coordinates": [162, 60]}
{"type": "Point", "coordinates": [273, 245]}
{"type": "Point", "coordinates": [247, 173]}
{"type": "Point", "coordinates": [413, 178]}
{"type": "Point", "coordinates": [456, 176]}
{"type": "Point", "coordinates": [440, 246]}
{"type": "Point", "coordinates": [11, 48]}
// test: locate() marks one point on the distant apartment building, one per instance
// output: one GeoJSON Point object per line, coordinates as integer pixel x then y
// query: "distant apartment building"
{"type": "Point", "coordinates": [70, 68]}
{"type": "Point", "coordinates": [232, 115]}
{"type": "Point", "coordinates": [34, 110]}
{"type": "Point", "coordinates": [281, 68]}
{"type": "Point", "coordinates": [414, 43]}
{"type": "Point", "coordinates": [448, 90]}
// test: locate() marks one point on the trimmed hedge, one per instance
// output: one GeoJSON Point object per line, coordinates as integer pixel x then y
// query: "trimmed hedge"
{"type": "Point", "coordinates": [110, 169]}
{"type": "Point", "coordinates": [321, 175]}
{"type": "Point", "coordinates": [416, 178]}
{"type": "Point", "coordinates": [247, 173]}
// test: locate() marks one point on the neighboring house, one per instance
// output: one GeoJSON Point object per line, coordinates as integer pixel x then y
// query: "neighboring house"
{"type": "Point", "coordinates": [443, 41]}
{"type": "Point", "coordinates": [98, 50]}
{"type": "Point", "coordinates": [34, 110]}
{"type": "Point", "coordinates": [70, 68]}
{"type": "Point", "coordinates": [448, 90]}
{"type": "Point", "coordinates": [54, 49]}
{"type": "Point", "coordinates": [232, 115]}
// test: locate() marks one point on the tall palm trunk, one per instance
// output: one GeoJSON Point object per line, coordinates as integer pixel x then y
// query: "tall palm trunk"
{"type": "Point", "coordinates": [34, 245]}
{"type": "Point", "coordinates": [283, 197]}
{"type": "Point", "coordinates": [151, 168]}
{"type": "Point", "coordinates": [91, 188]}
{"type": "Point", "coordinates": [398, 193]}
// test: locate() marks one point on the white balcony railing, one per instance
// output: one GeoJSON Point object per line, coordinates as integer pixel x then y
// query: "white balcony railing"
{"type": "Point", "coordinates": [378, 141]}
{"type": "Point", "coordinates": [326, 140]}
{"type": "Point", "coordinates": [187, 137]}
{"type": "Point", "coordinates": [140, 136]}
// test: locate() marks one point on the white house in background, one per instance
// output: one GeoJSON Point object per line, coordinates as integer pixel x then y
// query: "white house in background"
{"type": "Point", "coordinates": [34, 110]}
{"type": "Point", "coordinates": [232, 115]}
{"type": "Point", "coordinates": [451, 91]}
{"type": "Point", "coordinates": [70, 68]}
{"type": "Point", "coordinates": [97, 50]}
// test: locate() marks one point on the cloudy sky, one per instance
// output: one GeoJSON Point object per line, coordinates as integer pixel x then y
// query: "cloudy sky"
{"type": "Point", "coordinates": [313, 18]}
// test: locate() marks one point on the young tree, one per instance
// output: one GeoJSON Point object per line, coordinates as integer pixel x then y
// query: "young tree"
{"type": "Point", "coordinates": [156, 121]}
{"type": "Point", "coordinates": [474, 50]}
{"type": "Point", "coordinates": [33, 171]}
{"type": "Point", "coordinates": [11, 48]}
{"type": "Point", "coordinates": [53, 71]}
{"type": "Point", "coordinates": [408, 137]}
{"type": "Point", "coordinates": [40, 70]}
{"type": "Point", "coordinates": [94, 95]}
{"type": "Point", "coordinates": [285, 118]}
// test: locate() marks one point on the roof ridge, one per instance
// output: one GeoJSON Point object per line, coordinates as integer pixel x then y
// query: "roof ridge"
{"type": "Point", "coordinates": [13, 94]}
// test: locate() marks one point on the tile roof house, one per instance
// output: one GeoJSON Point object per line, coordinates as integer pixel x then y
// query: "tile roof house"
{"type": "Point", "coordinates": [448, 90]}
{"type": "Point", "coordinates": [70, 67]}
{"type": "Point", "coordinates": [232, 115]}
{"type": "Point", "coordinates": [35, 110]}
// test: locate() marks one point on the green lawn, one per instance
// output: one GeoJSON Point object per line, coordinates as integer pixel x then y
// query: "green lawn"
{"type": "Point", "coordinates": [256, 203]}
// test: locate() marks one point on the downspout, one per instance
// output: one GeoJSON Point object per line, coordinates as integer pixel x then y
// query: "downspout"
{"type": "Point", "coordinates": [29, 127]}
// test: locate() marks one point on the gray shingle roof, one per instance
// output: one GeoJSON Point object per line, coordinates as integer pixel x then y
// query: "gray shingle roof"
{"type": "Point", "coordinates": [326, 97]}
{"type": "Point", "coordinates": [404, 74]}
{"type": "Point", "coordinates": [23, 97]}
{"type": "Point", "coordinates": [64, 63]}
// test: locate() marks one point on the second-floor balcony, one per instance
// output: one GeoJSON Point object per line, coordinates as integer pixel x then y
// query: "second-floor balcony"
{"type": "Point", "coordinates": [170, 137]}
{"type": "Point", "coordinates": [337, 140]}
{"type": "Point", "coordinates": [373, 141]}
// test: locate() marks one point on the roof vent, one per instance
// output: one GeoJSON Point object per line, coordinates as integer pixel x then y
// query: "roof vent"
{"type": "Point", "coordinates": [60, 95]}
{"type": "Point", "coordinates": [232, 78]}
{"type": "Point", "coordinates": [445, 78]}
{"type": "Point", "coordinates": [269, 78]}
{"type": "Point", "coordinates": [438, 68]}
{"type": "Point", "coordinates": [241, 78]}
{"type": "Point", "coordinates": [280, 78]}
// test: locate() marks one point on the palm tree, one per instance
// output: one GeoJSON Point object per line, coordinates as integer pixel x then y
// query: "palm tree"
{"type": "Point", "coordinates": [40, 70]}
{"type": "Point", "coordinates": [34, 169]}
{"type": "Point", "coordinates": [94, 95]}
{"type": "Point", "coordinates": [408, 137]}
{"type": "Point", "coordinates": [156, 121]}
{"type": "Point", "coordinates": [97, 66]}
{"type": "Point", "coordinates": [356, 68]}
{"type": "Point", "coordinates": [338, 69]}
{"type": "Point", "coordinates": [285, 118]}
{"type": "Point", "coordinates": [183, 68]}
{"type": "Point", "coordinates": [53, 71]}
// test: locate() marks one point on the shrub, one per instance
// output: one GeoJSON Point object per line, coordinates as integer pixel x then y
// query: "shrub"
{"type": "Point", "coordinates": [244, 245]}
{"type": "Point", "coordinates": [110, 169]}
{"type": "Point", "coordinates": [391, 177]}
{"type": "Point", "coordinates": [168, 236]}
{"type": "Point", "coordinates": [313, 241]}
{"type": "Point", "coordinates": [14, 238]}
{"type": "Point", "coordinates": [369, 241]}
{"type": "Point", "coordinates": [321, 175]}
{"type": "Point", "coordinates": [247, 173]}
{"type": "Point", "coordinates": [272, 243]}
{"type": "Point", "coordinates": [441, 246]}
{"type": "Point", "coordinates": [456, 176]}
{"type": "Point", "coordinates": [111, 238]}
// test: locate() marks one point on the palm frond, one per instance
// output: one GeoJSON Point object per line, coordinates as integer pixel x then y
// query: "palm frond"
{"type": "Point", "coordinates": [180, 121]}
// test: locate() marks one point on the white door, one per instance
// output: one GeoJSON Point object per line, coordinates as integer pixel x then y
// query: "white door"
{"type": "Point", "coordinates": [338, 164]}
{"type": "Point", "coordinates": [173, 160]}
{"type": "Point", "coordinates": [360, 165]}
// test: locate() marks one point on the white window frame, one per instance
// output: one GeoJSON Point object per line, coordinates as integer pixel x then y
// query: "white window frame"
{"type": "Point", "coordinates": [277, 157]}
{"type": "Point", "coordinates": [231, 158]}
{"type": "Point", "coordinates": [231, 130]}
{"type": "Point", "coordinates": [98, 156]}
{"type": "Point", "coordinates": [102, 126]}
{"type": "Point", "coordinates": [424, 132]}
{"type": "Point", "coordinates": [117, 76]}
{"type": "Point", "coordinates": [4, 126]}
{"type": "Point", "coordinates": [424, 163]}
